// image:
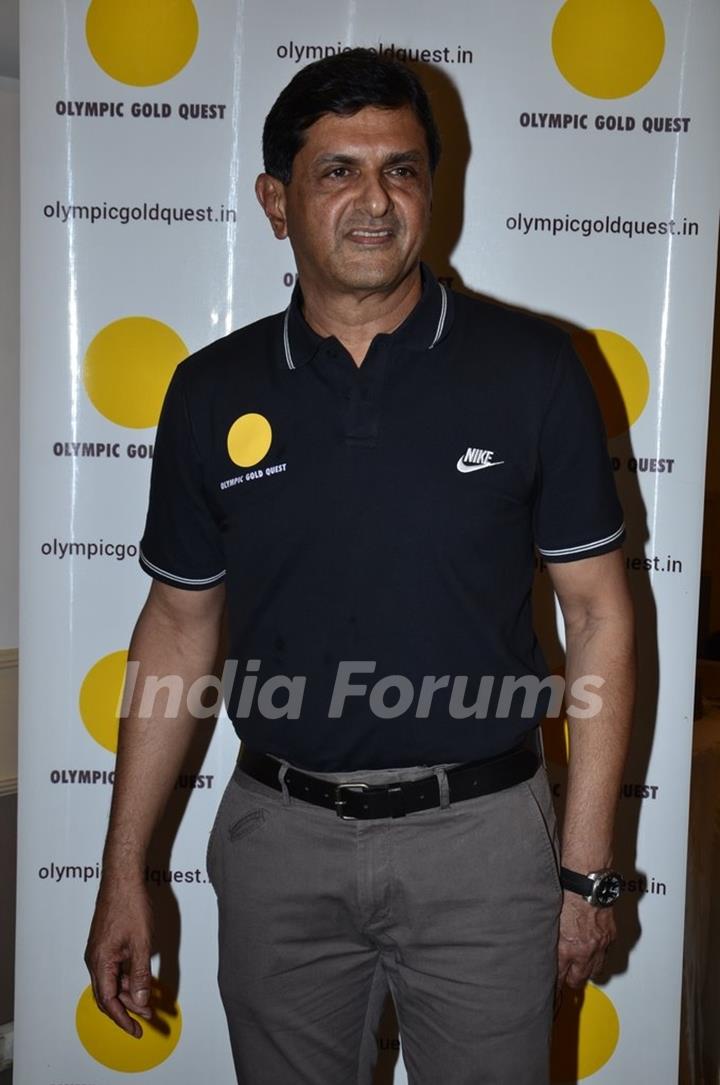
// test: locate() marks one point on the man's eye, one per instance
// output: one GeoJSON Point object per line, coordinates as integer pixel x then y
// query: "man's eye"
{"type": "Point", "coordinates": [403, 171]}
{"type": "Point", "coordinates": [338, 171]}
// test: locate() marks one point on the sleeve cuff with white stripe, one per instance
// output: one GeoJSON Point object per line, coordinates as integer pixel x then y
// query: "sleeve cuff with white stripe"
{"type": "Point", "coordinates": [589, 549]}
{"type": "Point", "coordinates": [190, 583]}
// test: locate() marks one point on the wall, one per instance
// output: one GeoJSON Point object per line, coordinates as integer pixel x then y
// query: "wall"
{"type": "Point", "coordinates": [9, 365]}
{"type": "Point", "coordinates": [9, 355]}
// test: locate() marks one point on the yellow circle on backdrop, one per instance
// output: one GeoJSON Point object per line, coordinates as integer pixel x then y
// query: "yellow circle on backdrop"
{"type": "Point", "coordinates": [556, 741]}
{"type": "Point", "coordinates": [249, 439]}
{"type": "Point", "coordinates": [141, 42]}
{"type": "Point", "coordinates": [585, 1035]}
{"type": "Point", "coordinates": [128, 367]}
{"type": "Point", "coordinates": [110, 1046]}
{"type": "Point", "coordinates": [608, 48]}
{"type": "Point", "coordinates": [619, 375]}
{"type": "Point", "coordinates": [100, 695]}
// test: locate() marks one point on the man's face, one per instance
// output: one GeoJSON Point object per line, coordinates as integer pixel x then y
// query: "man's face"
{"type": "Point", "coordinates": [357, 208]}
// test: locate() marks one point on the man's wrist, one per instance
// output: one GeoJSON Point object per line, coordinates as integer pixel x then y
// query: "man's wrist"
{"type": "Point", "coordinates": [584, 865]}
{"type": "Point", "coordinates": [600, 888]}
{"type": "Point", "coordinates": [123, 868]}
{"type": "Point", "coordinates": [587, 855]}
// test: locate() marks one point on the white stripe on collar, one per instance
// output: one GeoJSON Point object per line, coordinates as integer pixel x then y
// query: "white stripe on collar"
{"type": "Point", "coordinates": [286, 340]}
{"type": "Point", "coordinates": [438, 330]}
{"type": "Point", "coordinates": [443, 314]}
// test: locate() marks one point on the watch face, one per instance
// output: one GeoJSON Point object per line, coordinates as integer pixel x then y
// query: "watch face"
{"type": "Point", "coordinates": [607, 889]}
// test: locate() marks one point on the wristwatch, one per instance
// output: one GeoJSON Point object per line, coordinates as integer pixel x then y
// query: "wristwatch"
{"type": "Point", "coordinates": [601, 887]}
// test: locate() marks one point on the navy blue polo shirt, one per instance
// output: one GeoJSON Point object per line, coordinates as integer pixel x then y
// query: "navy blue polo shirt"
{"type": "Point", "coordinates": [375, 526]}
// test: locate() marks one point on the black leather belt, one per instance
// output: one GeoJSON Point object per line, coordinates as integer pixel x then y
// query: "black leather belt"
{"type": "Point", "coordinates": [358, 800]}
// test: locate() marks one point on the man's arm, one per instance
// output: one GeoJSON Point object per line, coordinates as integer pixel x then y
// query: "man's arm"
{"type": "Point", "coordinates": [598, 614]}
{"type": "Point", "coordinates": [177, 633]}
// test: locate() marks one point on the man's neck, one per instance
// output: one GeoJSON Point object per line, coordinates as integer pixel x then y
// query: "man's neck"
{"type": "Point", "coordinates": [355, 319]}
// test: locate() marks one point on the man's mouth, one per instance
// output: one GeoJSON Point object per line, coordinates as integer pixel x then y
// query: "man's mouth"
{"type": "Point", "coordinates": [370, 237]}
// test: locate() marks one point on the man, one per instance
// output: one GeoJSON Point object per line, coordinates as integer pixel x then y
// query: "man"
{"type": "Point", "coordinates": [361, 481]}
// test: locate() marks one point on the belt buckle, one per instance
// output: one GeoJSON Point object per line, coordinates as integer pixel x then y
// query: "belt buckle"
{"type": "Point", "coordinates": [341, 802]}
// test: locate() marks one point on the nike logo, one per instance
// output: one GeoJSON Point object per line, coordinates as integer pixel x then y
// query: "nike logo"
{"type": "Point", "coordinates": [477, 459]}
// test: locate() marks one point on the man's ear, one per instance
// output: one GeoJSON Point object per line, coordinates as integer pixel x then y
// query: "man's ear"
{"type": "Point", "coordinates": [271, 197]}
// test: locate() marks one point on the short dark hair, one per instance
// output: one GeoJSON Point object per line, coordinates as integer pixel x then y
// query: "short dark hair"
{"type": "Point", "coordinates": [343, 84]}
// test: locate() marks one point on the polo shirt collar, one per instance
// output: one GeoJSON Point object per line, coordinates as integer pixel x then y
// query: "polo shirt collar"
{"type": "Point", "coordinates": [426, 326]}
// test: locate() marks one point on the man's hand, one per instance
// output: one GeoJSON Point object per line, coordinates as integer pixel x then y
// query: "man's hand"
{"type": "Point", "coordinates": [585, 934]}
{"type": "Point", "coordinates": [118, 954]}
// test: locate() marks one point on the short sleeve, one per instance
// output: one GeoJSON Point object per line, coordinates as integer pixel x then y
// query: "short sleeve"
{"type": "Point", "coordinates": [577, 513]}
{"type": "Point", "coordinates": [181, 545]}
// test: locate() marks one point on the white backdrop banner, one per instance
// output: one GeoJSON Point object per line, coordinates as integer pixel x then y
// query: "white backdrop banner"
{"type": "Point", "coordinates": [579, 140]}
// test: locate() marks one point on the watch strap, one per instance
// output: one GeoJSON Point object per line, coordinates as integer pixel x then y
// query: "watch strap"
{"type": "Point", "coordinates": [576, 883]}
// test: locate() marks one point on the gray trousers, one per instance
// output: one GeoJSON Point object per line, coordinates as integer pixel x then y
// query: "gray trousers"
{"type": "Point", "coordinates": [454, 910]}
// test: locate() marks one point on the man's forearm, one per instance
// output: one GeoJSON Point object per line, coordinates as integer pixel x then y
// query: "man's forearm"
{"type": "Point", "coordinates": [151, 751]}
{"type": "Point", "coordinates": [598, 745]}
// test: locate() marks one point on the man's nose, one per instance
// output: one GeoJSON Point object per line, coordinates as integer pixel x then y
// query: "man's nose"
{"type": "Point", "coordinates": [374, 197]}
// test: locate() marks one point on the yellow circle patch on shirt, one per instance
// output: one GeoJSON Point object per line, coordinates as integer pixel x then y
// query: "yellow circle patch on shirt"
{"type": "Point", "coordinates": [249, 439]}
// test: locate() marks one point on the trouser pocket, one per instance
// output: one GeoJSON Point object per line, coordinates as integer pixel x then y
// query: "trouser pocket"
{"type": "Point", "coordinates": [233, 821]}
{"type": "Point", "coordinates": [245, 824]}
{"type": "Point", "coordinates": [543, 812]}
